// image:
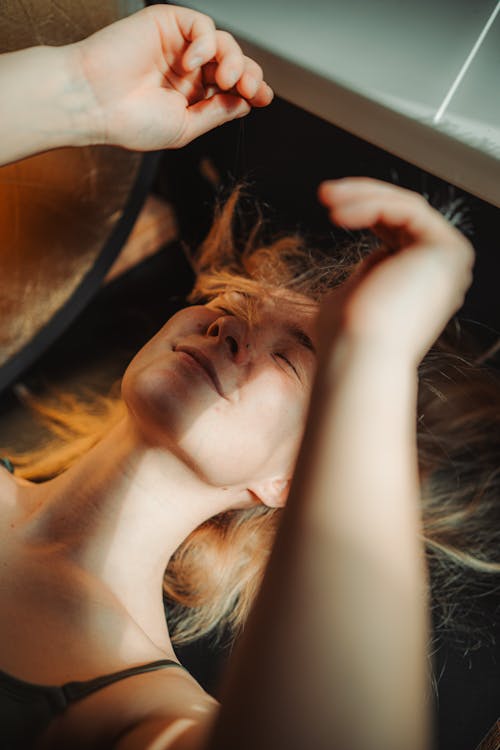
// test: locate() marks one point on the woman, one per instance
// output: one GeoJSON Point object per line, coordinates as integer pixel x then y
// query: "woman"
{"type": "Point", "coordinates": [228, 402]}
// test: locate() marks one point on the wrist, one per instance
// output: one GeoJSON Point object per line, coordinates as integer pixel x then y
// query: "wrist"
{"type": "Point", "coordinates": [346, 335]}
{"type": "Point", "coordinates": [83, 114]}
{"type": "Point", "coordinates": [47, 102]}
{"type": "Point", "coordinates": [346, 351]}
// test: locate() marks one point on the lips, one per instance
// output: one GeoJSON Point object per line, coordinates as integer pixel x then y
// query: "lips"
{"type": "Point", "coordinates": [205, 363]}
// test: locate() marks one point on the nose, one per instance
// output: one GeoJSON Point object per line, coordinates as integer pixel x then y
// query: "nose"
{"type": "Point", "coordinates": [234, 334]}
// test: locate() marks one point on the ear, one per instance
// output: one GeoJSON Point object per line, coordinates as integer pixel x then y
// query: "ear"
{"type": "Point", "coordinates": [271, 492]}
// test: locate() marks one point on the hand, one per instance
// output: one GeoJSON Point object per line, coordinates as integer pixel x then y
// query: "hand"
{"type": "Point", "coordinates": [163, 76]}
{"type": "Point", "coordinates": [401, 296]}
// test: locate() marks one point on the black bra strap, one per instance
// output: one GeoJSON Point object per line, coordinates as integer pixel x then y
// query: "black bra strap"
{"type": "Point", "coordinates": [75, 690]}
{"type": "Point", "coordinates": [7, 463]}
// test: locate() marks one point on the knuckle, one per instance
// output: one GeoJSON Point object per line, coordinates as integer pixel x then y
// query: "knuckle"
{"type": "Point", "coordinates": [471, 254]}
{"type": "Point", "coordinates": [254, 68]}
{"type": "Point", "coordinates": [181, 140]}
{"type": "Point", "coordinates": [208, 20]}
{"type": "Point", "coordinates": [236, 61]}
{"type": "Point", "coordinates": [225, 37]}
{"type": "Point", "coordinates": [466, 250]}
{"type": "Point", "coordinates": [411, 195]}
{"type": "Point", "coordinates": [419, 199]}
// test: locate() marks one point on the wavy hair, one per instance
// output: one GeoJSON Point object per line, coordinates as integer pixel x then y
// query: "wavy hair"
{"type": "Point", "coordinates": [213, 577]}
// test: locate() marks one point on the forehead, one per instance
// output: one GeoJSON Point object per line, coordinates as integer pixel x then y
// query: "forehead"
{"type": "Point", "coordinates": [280, 303]}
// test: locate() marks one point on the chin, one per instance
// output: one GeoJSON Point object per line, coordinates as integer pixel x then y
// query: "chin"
{"type": "Point", "coordinates": [168, 411]}
{"type": "Point", "coordinates": [154, 406]}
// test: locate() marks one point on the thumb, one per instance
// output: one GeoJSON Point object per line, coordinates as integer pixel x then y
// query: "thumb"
{"type": "Point", "coordinates": [209, 113]}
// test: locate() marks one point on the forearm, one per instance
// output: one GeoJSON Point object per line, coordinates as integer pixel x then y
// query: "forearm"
{"type": "Point", "coordinates": [334, 654]}
{"type": "Point", "coordinates": [45, 102]}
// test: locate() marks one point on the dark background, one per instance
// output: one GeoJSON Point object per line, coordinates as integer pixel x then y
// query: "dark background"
{"type": "Point", "coordinates": [282, 153]}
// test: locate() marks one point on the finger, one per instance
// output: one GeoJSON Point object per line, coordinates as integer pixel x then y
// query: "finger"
{"type": "Point", "coordinates": [392, 216]}
{"type": "Point", "coordinates": [187, 84]}
{"type": "Point", "coordinates": [229, 63]}
{"type": "Point", "coordinates": [249, 66]}
{"type": "Point", "coordinates": [338, 191]}
{"type": "Point", "coordinates": [259, 94]}
{"type": "Point", "coordinates": [414, 219]}
{"type": "Point", "coordinates": [363, 202]}
{"type": "Point", "coordinates": [230, 58]}
{"type": "Point", "coordinates": [199, 53]}
{"type": "Point", "coordinates": [209, 113]}
{"type": "Point", "coordinates": [263, 97]}
{"type": "Point", "coordinates": [193, 25]}
{"type": "Point", "coordinates": [404, 221]}
{"type": "Point", "coordinates": [199, 31]}
{"type": "Point", "coordinates": [246, 86]}
{"type": "Point", "coordinates": [250, 80]}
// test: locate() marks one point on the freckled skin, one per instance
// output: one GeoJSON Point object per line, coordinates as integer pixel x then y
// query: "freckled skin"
{"type": "Point", "coordinates": [253, 431]}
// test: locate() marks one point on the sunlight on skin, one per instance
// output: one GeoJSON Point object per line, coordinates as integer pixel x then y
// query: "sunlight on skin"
{"type": "Point", "coordinates": [173, 732]}
{"type": "Point", "coordinates": [152, 736]}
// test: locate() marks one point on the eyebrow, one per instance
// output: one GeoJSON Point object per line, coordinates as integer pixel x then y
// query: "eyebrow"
{"type": "Point", "coordinates": [301, 337]}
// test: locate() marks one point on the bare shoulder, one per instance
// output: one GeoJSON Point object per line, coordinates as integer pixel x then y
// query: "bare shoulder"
{"type": "Point", "coordinates": [7, 491]}
{"type": "Point", "coordinates": [13, 500]}
{"type": "Point", "coordinates": [135, 712]}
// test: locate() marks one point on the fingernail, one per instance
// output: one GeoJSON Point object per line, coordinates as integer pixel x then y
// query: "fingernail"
{"type": "Point", "coordinates": [233, 76]}
{"type": "Point", "coordinates": [244, 111]}
{"type": "Point", "coordinates": [253, 85]}
{"type": "Point", "coordinates": [195, 62]}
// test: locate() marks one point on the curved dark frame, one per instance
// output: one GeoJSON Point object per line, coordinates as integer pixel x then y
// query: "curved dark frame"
{"type": "Point", "coordinates": [90, 283]}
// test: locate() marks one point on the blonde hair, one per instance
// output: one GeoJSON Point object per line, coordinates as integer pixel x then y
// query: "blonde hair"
{"type": "Point", "coordinates": [213, 577]}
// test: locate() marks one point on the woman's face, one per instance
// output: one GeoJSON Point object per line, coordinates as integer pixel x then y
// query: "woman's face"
{"type": "Point", "coordinates": [229, 397]}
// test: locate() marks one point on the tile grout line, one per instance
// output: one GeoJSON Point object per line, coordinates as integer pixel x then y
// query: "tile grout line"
{"type": "Point", "coordinates": [466, 65]}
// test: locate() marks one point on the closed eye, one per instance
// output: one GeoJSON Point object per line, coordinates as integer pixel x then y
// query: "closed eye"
{"type": "Point", "coordinates": [224, 310]}
{"type": "Point", "coordinates": [282, 356]}
{"type": "Point", "coordinates": [276, 354]}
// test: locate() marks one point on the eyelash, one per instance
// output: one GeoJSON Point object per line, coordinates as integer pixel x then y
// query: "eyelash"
{"type": "Point", "coordinates": [276, 354]}
{"type": "Point", "coordinates": [282, 356]}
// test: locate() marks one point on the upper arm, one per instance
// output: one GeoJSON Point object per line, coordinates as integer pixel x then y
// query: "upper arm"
{"type": "Point", "coordinates": [177, 715]}
{"type": "Point", "coordinates": [161, 733]}
{"type": "Point", "coordinates": [181, 720]}
{"type": "Point", "coordinates": [162, 710]}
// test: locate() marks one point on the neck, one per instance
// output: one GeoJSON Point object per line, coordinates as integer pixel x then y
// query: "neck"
{"type": "Point", "coordinates": [120, 513]}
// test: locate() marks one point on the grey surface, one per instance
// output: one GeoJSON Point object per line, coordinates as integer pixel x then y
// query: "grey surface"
{"type": "Point", "coordinates": [473, 114]}
{"type": "Point", "coordinates": [381, 69]}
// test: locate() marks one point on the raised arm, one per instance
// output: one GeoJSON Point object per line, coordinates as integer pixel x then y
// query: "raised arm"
{"type": "Point", "coordinates": [156, 79]}
{"type": "Point", "coordinates": [334, 656]}
{"type": "Point", "coordinates": [335, 653]}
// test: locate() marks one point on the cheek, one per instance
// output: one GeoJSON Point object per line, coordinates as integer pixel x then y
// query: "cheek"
{"type": "Point", "coordinates": [274, 415]}
{"type": "Point", "coordinates": [257, 433]}
{"type": "Point", "coordinates": [288, 430]}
